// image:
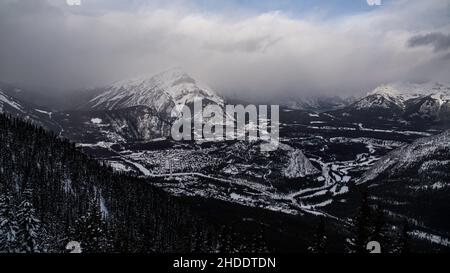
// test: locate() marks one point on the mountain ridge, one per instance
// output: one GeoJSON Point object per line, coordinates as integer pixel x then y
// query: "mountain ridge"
{"type": "Point", "coordinates": [162, 92]}
{"type": "Point", "coordinates": [407, 156]}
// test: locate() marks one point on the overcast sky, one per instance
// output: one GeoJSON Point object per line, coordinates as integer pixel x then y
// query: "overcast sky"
{"type": "Point", "coordinates": [235, 46]}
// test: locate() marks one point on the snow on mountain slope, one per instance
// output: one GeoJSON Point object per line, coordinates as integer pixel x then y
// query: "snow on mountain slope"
{"type": "Point", "coordinates": [412, 183]}
{"type": "Point", "coordinates": [7, 101]}
{"type": "Point", "coordinates": [386, 96]}
{"type": "Point", "coordinates": [246, 159]}
{"type": "Point", "coordinates": [397, 94]}
{"type": "Point", "coordinates": [436, 103]}
{"type": "Point", "coordinates": [18, 108]}
{"type": "Point", "coordinates": [430, 151]}
{"type": "Point", "coordinates": [161, 92]}
{"type": "Point", "coordinates": [313, 103]}
{"type": "Point", "coordinates": [116, 126]}
{"type": "Point", "coordinates": [402, 105]}
{"type": "Point", "coordinates": [299, 165]}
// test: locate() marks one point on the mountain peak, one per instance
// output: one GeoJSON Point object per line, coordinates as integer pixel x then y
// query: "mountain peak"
{"type": "Point", "coordinates": [161, 91]}
{"type": "Point", "coordinates": [385, 89]}
{"type": "Point", "coordinates": [384, 96]}
{"type": "Point", "coordinates": [169, 75]}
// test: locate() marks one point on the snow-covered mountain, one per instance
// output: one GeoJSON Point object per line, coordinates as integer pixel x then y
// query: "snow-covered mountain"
{"type": "Point", "coordinates": [245, 159]}
{"type": "Point", "coordinates": [314, 103]}
{"type": "Point", "coordinates": [434, 104]}
{"type": "Point", "coordinates": [424, 156]}
{"type": "Point", "coordinates": [383, 97]}
{"type": "Point", "coordinates": [160, 92]}
{"type": "Point", "coordinates": [403, 96]}
{"type": "Point", "coordinates": [128, 125]}
{"type": "Point", "coordinates": [9, 104]}
{"type": "Point", "coordinates": [408, 104]}
{"type": "Point", "coordinates": [15, 107]}
{"type": "Point", "coordinates": [412, 183]}
{"type": "Point", "coordinates": [299, 165]}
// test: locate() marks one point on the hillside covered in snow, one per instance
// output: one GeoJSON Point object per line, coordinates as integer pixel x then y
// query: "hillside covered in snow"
{"type": "Point", "coordinates": [419, 159]}
{"type": "Point", "coordinates": [160, 92]}
{"type": "Point", "coordinates": [408, 105]}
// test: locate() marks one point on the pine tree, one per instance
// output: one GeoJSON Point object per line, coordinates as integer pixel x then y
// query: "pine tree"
{"type": "Point", "coordinates": [404, 241]}
{"type": "Point", "coordinates": [362, 229]}
{"type": "Point", "coordinates": [320, 240]}
{"type": "Point", "coordinates": [379, 233]}
{"type": "Point", "coordinates": [8, 225]}
{"type": "Point", "coordinates": [29, 225]}
{"type": "Point", "coordinates": [91, 231]}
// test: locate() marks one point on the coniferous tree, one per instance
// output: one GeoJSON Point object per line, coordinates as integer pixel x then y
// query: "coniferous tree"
{"type": "Point", "coordinates": [8, 225]}
{"type": "Point", "coordinates": [29, 235]}
{"type": "Point", "coordinates": [361, 227]}
{"type": "Point", "coordinates": [369, 225]}
{"type": "Point", "coordinates": [91, 232]}
{"type": "Point", "coordinates": [320, 239]}
{"type": "Point", "coordinates": [404, 241]}
{"type": "Point", "coordinates": [379, 232]}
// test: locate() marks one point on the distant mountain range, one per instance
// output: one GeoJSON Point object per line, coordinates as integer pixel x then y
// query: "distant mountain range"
{"type": "Point", "coordinates": [163, 91]}
{"type": "Point", "coordinates": [316, 103]}
{"type": "Point", "coordinates": [140, 109]}
{"type": "Point", "coordinates": [415, 105]}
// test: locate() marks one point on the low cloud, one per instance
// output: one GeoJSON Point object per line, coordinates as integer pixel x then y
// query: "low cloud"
{"type": "Point", "coordinates": [52, 43]}
{"type": "Point", "coordinates": [439, 41]}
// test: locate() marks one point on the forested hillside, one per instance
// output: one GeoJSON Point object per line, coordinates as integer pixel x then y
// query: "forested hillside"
{"type": "Point", "coordinates": [51, 193]}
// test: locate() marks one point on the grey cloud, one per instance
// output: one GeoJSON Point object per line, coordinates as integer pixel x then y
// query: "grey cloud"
{"type": "Point", "coordinates": [44, 42]}
{"type": "Point", "coordinates": [439, 41]}
{"type": "Point", "coordinates": [247, 45]}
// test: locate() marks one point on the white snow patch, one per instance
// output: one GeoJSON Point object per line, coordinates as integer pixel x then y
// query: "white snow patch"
{"type": "Point", "coordinates": [96, 120]}
{"type": "Point", "coordinates": [431, 238]}
{"type": "Point", "coordinates": [299, 166]}
{"type": "Point", "coordinates": [44, 112]}
{"type": "Point", "coordinates": [8, 101]}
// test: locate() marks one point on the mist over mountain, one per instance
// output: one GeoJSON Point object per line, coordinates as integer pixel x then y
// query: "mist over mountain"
{"type": "Point", "coordinates": [233, 50]}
